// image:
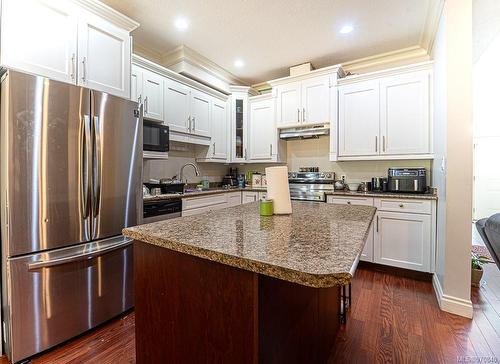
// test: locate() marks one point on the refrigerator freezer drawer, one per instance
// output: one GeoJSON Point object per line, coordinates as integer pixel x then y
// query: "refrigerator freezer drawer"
{"type": "Point", "coordinates": [60, 294]}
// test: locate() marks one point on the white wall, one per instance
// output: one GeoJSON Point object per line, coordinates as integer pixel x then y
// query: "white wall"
{"type": "Point", "coordinates": [453, 103]}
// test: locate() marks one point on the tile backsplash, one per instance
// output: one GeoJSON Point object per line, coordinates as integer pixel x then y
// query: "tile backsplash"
{"type": "Point", "coordinates": [300, 153]}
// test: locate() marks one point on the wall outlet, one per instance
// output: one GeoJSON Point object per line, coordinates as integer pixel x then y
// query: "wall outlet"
{"type": "Point", "coordinates": [342, 177]}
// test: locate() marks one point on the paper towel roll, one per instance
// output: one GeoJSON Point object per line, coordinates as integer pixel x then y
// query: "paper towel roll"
{"type": "Point", "coordinates": [278, 190]}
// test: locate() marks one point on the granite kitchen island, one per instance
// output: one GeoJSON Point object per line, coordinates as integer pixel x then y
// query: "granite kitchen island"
{"type": "Point", "coordinates": [231, 286]}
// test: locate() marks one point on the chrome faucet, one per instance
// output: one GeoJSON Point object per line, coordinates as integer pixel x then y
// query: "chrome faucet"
{"type": "Point", "coordinates": [182, 171]}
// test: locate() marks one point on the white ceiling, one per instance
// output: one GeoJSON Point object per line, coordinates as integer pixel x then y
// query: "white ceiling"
{"type": "Point", "coordinates": [271, 35]}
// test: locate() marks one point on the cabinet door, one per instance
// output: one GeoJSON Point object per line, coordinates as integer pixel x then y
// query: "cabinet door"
{"type": "Point", "coordinates": [405, 115]}
{"type": "Point", "coordinates": [103, 56]}
{"type": "Point", "coordinates": [367, 253]}
{"type": "Point", "coordinates": [200, 113]}
{"type": "Point", "coordinates": [177, 106]}
{"type": "Point", "coordinates": [288, 104]}
{"type": "Point", "coordinates": [403, 240]}
{"type": "Point", "coordinates": [136, 84]}
{"type": "Point", "coordinates": [249, 196]}
{"type": "Point", "coordinates": [152, 93]}
{"type": "Point", "coordinates": [262, 130]}
{"type": "Point", "coordinates": [39, 38]}
{"type": "Point", "coordinates": [359, 119]}
{"type": "Point", "coordinates": [233, 199]}
{"type": "Point", "coordinates": [315, 98]}
{"type": "Point", "coordinates": [220, 132]}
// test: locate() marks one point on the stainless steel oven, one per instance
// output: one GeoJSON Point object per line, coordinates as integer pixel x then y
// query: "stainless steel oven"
{"type": "Point", "coordinates": [158, 210]}
{"type": "Point", "coordinates": [156, 137]}
{"type": "Point", "coordinates": [310, 186]}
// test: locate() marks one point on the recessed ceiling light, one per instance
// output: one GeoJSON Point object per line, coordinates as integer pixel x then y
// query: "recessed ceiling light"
{"type": "Point", "coordinates": [181, 24]}
{"type": "Point", "coordinates": [346, 29]}
{"type": "Point", "coordinates": [239, 63]}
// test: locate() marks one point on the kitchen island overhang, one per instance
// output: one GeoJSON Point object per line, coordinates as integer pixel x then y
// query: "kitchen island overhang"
{"type": "Point", "coordinates": [231, 286]}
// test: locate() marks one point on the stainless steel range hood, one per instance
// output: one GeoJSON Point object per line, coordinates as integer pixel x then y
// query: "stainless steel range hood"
{"type": "Point", "coordinates": [308, 132]}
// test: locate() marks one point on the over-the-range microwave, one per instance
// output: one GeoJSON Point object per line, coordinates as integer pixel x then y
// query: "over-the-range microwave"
{"type": "Point", "coordinates": [155, 137]}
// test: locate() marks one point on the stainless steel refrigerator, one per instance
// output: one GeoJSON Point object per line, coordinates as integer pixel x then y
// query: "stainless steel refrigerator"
{"type": "Point", "coordinates": [71, 164]}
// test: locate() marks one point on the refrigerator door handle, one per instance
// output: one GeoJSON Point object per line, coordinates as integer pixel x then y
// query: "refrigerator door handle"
{"type": "Point", "coordinates": [78, 257]}
{"type": "Point", "coordinates": [85, 145]}
{"type": "Point", "coordinates": [97, 166]}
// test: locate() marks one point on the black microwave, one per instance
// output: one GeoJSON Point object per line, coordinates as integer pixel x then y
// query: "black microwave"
{"type": "Point", "coordinates": [155, 137]}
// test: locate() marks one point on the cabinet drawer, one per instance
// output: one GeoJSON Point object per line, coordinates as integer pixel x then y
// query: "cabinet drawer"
{"type": "Point", "coordinates": [203, 201]}
{"type": "Point", "coordinates": [365, 201]}
{"type": "Point", "coordinates": [415, 206]}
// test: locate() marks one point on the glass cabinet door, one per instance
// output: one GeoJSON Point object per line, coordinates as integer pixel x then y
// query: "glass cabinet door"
{"type": "Point", "coordinates": [240, 147]}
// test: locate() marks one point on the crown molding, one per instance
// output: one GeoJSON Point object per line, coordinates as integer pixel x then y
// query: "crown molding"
{"type": "Point", "coordinates": [107, 12]}
{"type": "Point", "coordinates": [383, 60]}
{"type": "Point", "coordinates": [244, 90]}
{"type": "Point", "coordinates": [428, 35]}
{"type": "Point", "coordinates": [415, 67]}
{"type": "Point", "coordinates": [336, 69]}
{"type": "Point", "coordinates": [146, 52]}
{"type": "Point", "coordinates": [185, 54]}
{"type": "Point", "coordinates": [163, 71]}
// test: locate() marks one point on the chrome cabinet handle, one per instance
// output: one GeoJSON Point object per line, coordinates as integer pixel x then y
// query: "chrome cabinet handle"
{"type": "Point", "coordinates": [84, 69]}
{"type": "Point", "coordinates": [298, 115]}
{"type": "Point", "coordinates": [78, 257]}
{"type": "Point", "coordinates": [97, 165]}
{"type": "Point", "coordinates": [139, 99]}
{"type": "Point", "coordinates": [245, 153]}
{"type": "Point", "coordinates": [401, 205]}
{"type": "Point", "coordinates": [377, 223]}
{"type": "Point", "coordinates": [376, 144]}
{"type": "Point", "coordinates": [383, 143]}
{"type": "Point", "coordinates": [189, 123]}
{"type": "Point", "coordinates": [146, 105]}
{"type": "Point", "coordinates": [214, 149]}
{"type": "Point", "coordinates": [304, 115]}
{"type": "Point", "coordinates": [271, 150]}
{"type": "Point", "coordinates": [85, 147]}
{"type": "Point", "coordinates": [194, 123]}
{"type": "Point", "coordinates": [348, 202]}
{"type": "Point", "coordinates": [73, 66]}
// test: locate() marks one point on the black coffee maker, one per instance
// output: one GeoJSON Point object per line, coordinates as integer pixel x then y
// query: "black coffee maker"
{"type": "Point", "coordinates": [231, 179]}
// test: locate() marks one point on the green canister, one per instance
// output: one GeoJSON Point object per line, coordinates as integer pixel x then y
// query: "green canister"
{"type": "Point", "coordinates": [266, 207]}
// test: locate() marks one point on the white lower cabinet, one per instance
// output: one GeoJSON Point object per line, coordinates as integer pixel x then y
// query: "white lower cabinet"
{"type": "Point", "coordinates": [249, 196]}
{"type": "Point", "coordinates": [402, 234]}
{"type": "Point", "coordinates": [233, 199]}
{"type": "Point", "coordinates": [367, 253]}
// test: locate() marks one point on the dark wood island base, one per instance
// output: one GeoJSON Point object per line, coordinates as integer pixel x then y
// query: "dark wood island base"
{"type": "Point", "coordinates": [193, 310]}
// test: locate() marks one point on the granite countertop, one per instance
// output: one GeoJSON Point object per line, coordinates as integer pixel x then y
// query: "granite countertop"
{"type": "Point", "coordinates": [214, 191]}
{"type": "Point", "coordinates": [413, 196]}
{"type": "Point", "coordinates": [318, 245]}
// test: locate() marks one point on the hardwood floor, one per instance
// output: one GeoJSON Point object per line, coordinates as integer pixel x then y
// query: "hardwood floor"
{"type": "Point", "coordinates": [392, 320]}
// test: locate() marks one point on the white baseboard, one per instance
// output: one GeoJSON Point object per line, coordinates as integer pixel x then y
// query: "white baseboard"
{"type": "Point", "coordinates": [455, 305]}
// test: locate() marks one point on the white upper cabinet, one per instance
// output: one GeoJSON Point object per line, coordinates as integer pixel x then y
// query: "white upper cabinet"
{"type": "Point", "coordinates": [177, 100]}
{"type": "Point", "coordinates": [136, 84]}
{"type": "Point", "coordinates": [104, 57]}
{"type": "Point", "coordinates": [289, 104]}
{"type": "Point", "coordinates": [305, 100]}
{"type": "Point", "coordinates": [152, 95]}
{"type": "Point", "coordinates": [359, 119]}
{"type": "Point", "coordinates": [62, 41]}
{"type": "Point", "coordinates": [220, 131]}
{"type": "Point", "coordinates": [315, 96]}
{"type": "Point", "coordinates": [200, 113]}
{"type": "Point", "coordinates": [262, 130]}
{"type": "Point", "coordinates": [386, 114]}
{"type": "Point", "coordinates": [40, 37]}
{"type": "Point", "coordinates": [405, 114]}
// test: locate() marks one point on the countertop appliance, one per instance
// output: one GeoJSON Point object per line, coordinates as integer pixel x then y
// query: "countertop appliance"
{"type": "Point", "coordinates": [310, 186]}
{"type": "Point", "coordinates": [156, 138]}
{"type": "Point", "coordinates": [77, 154]}
{"type": "Point", "coordinates": [407, 180]}
{"type": "Point", "coordinates": [158, 210]}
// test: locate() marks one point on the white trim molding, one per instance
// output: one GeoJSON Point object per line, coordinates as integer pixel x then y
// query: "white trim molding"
{"type": "Point", "coordinates": [434, 12]}
{"type": "Point", "coordinates": [190, 63]}
{"type": "Point", "coordinates": [108, 13]}
{"type": "Point", "coordinates": [455, 305]}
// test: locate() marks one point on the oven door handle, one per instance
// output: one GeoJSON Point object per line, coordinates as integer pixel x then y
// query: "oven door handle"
{"type": "Point", "coordinates": [78, 257]}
